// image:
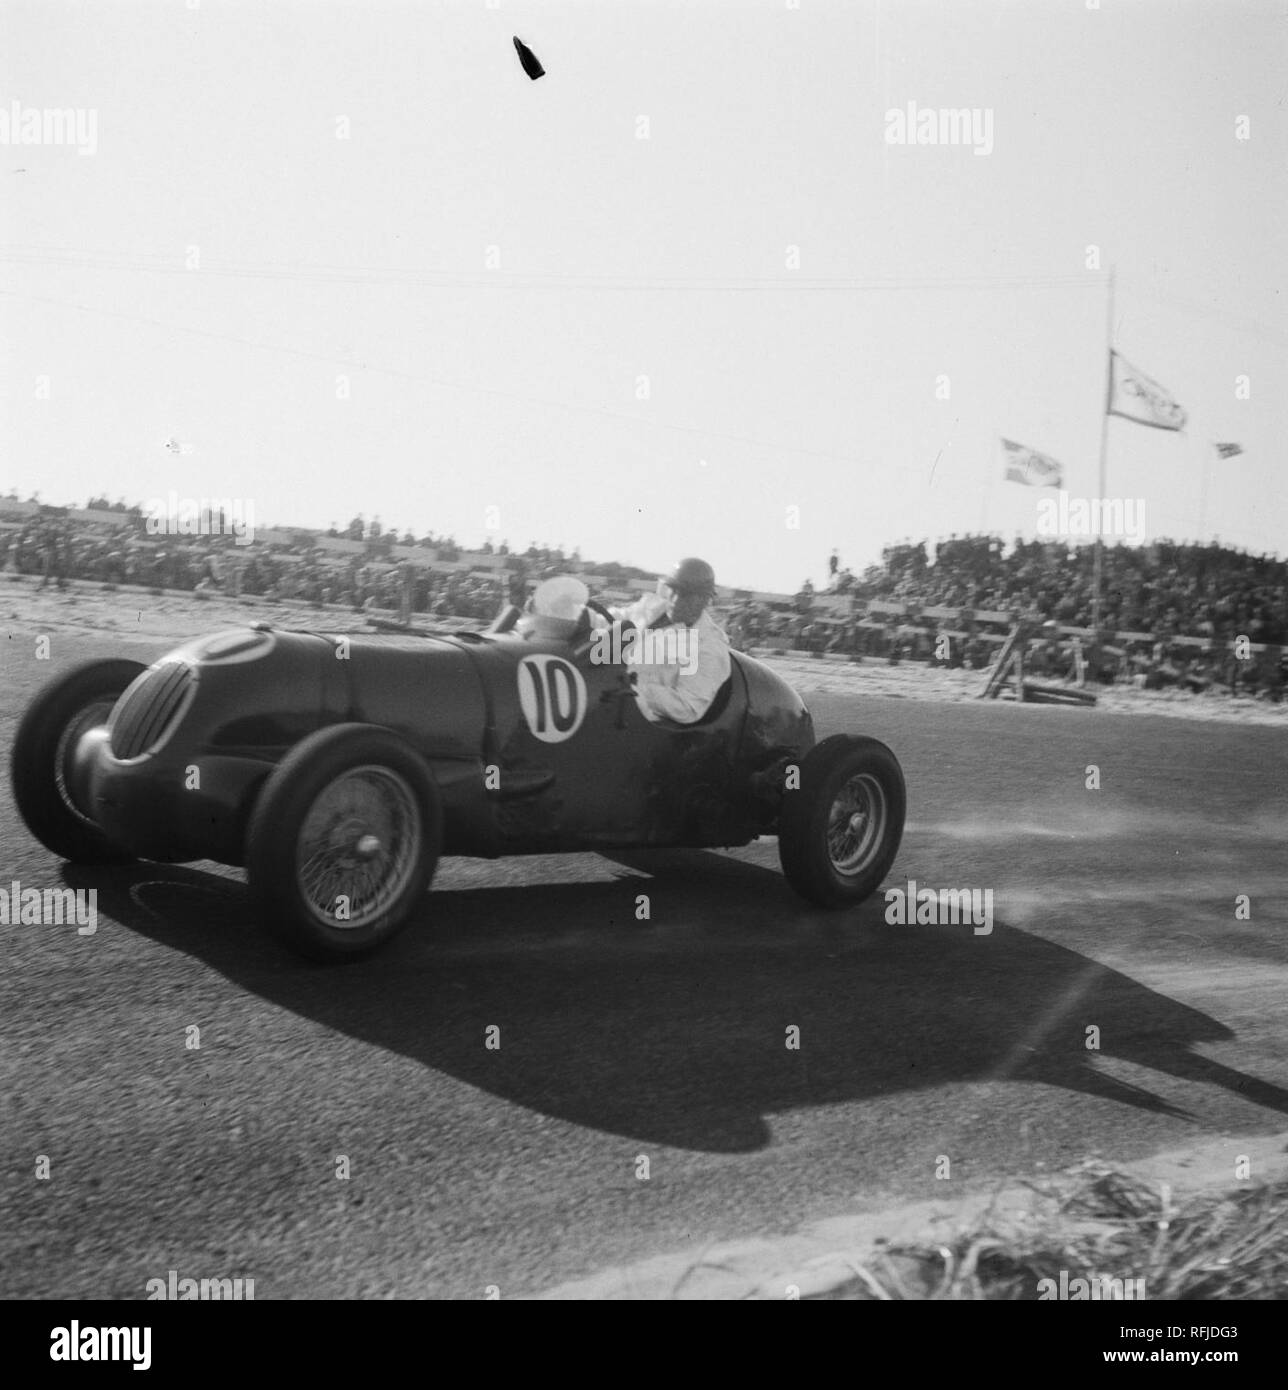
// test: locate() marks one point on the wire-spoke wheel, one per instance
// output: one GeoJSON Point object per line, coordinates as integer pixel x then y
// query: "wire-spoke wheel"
{"type": "Point", "coordinates": [839, 830]}
{"type": "Point", "coordinates": [343, 841]}
{"type": "Point", "coordinates": [856, 824]}
{"type": "Point", "coordinates": [358, 847]}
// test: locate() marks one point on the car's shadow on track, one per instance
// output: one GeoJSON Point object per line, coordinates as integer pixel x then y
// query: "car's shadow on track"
{"type": "Point", "coordinates": [675, 1029]}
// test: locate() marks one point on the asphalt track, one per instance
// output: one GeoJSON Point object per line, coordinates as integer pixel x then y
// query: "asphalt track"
{"type": "Point", "coordinates": [519, 1168]}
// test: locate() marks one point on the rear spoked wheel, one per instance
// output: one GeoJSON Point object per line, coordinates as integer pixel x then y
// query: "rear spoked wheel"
{"type": "Point", "coordinates": [839, 831]}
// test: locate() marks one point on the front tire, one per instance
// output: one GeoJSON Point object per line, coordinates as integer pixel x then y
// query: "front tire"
{"type": "Point", "coordinates": [838, 833]}
{"type": "Point", "coordinates": [68, 707]}
{"type": "Point", "coordinates": [343, 842]}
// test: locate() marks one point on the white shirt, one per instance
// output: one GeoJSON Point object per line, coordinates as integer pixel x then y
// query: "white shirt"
{"type": "Point", "coordinates": [679, 670]}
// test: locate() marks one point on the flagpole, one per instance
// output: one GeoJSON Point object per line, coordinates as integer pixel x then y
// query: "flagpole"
{"type": "Point", "coordinates": [1098, 571]}
{"type": "Point", "coordinates": [1203, 487]}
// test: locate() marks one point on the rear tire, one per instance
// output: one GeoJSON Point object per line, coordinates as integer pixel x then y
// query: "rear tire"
{"type": "Point", "coordinates": [343, 841]}
{"type": "Point", "coordinates": [839, 832]}
{"type": "Point", "coordinates": [69, 706]}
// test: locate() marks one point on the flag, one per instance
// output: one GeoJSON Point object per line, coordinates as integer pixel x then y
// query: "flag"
{"type": "Point", "coordinates": [1137, 397]}
{"type": "Point", "coordinates": [1027, 466]}
{"type": "Point", "coordinates": [531, 63]}
{"type": "Point", "coordinates": [1227, 451]}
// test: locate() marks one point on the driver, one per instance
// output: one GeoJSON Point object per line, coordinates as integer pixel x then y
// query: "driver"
{"type": "Point", "coordinates": [671, 688]}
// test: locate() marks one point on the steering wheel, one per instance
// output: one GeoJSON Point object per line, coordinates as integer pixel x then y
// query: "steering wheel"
{"type": "Point", "coordinates": [593, 605]}
{"type": "Point", "coordinates": [596, 607]}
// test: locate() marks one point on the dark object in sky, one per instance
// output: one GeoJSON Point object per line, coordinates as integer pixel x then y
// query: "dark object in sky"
{"type": "Point", "coordinates": [531, 63]}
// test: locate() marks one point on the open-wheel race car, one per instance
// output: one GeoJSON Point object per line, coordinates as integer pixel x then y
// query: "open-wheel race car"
{"type": "Point", "coordinates": [338, 769]}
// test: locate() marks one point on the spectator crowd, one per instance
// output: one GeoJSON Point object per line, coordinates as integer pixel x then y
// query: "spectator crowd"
{"type": "Point", "coordinates": [1167, 589]}
{"type": "Point", "coordinates": [373, 569]}
{"type": "Point", "coordinates": [1172, 614]}
{"type": "Point", "coordinates": [1195, 617]}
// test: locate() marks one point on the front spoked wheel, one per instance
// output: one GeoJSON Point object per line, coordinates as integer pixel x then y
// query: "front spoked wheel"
{"type": "Point", "coordinates": [343, 842]}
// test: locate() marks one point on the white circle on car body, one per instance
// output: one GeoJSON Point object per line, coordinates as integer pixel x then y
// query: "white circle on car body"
{"type": "Point", "coordinates": [552, 695]}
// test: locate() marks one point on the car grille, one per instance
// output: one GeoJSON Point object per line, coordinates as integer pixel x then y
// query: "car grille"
{"type": "Point", "coordinates": [145, 712]}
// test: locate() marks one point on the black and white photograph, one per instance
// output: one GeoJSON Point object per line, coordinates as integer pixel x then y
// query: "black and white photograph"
{"type": "Point", "coordinates": [645, 650]}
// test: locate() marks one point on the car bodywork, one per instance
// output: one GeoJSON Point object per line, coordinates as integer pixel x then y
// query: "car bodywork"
{"type": "Point", "coordinates": [533, 746]}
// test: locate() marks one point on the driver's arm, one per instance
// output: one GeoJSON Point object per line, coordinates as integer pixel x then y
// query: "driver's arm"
{"type": "Point", "coordinates": [645, 611]}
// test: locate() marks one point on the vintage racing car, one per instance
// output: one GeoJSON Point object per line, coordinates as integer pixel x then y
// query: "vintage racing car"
{"type": "Point", "coordinates": [338, 769]}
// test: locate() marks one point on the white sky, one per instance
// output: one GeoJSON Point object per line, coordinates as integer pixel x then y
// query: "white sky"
{"type": "Point", "coordinates": [770, 388]}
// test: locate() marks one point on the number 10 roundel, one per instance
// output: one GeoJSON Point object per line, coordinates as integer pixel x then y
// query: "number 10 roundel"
{"type": "Point", "coordinates": [552, 695]}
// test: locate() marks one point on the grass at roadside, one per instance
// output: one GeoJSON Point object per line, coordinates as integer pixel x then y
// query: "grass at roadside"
{"type": "Point", "coordinates": [1107, 1225]}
